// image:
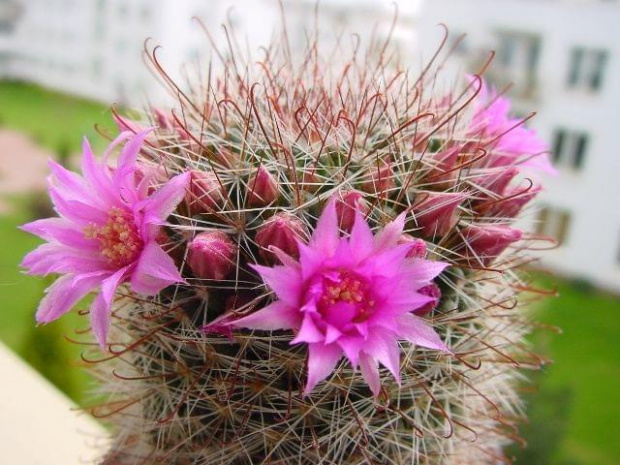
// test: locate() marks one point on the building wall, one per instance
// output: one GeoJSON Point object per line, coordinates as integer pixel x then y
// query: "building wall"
{"type": "Point", "coordinates": [589, 195]}
{"type": "Point", "coordinates": [94, 48]}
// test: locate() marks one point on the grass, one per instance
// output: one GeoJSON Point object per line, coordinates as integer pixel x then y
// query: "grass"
{"type": "Point", "coordinates": [43, 347]}
{"type": "Point", "coordinates": [581, 386]}
{"type": "Point", "coordinates": [55, 121]}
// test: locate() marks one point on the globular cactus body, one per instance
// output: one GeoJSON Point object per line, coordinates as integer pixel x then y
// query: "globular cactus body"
{"type": "Point", "coordinates": [269, 145]}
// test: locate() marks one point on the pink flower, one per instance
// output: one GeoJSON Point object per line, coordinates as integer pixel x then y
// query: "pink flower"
{"type": "Point", "coordinates": [352, 296]}
{"type": "Point", "coordinates": [514, 143]}
{"type": "Point", "coordinates": [106, 234]}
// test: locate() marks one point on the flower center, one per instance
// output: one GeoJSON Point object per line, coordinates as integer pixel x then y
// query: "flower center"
{"type": "Point", "coordinates": [345, 298]}
{"type": "Point", "coordinates": [119, 239]}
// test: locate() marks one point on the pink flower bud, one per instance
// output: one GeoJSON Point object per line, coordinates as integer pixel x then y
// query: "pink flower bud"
{"type": "Point", "coordinates": [514, 200]}
{"type": "Point", "coordinates": [432, 290]}
{"type": "Point", "coordinates": [498, 181]}
{"type": "Point", "coordinates": [348, 202]}
{"type": "Point", "coordinates": [484, 243]}
{"type": "Point", "coordinates": [436, 213]}
{"type": "Point", "coordinates": [180, 130]}
{"type": "Point", "coordinates": [163, 120]}
{"type": "Point", "coordinates": [281, 231]}
{"type": "Point", "coordinates": [262, 188]}
{"type": "Point", "coordinates": [211, 255]}
{"type": "Point", "coordinates": [418, 246]}
{"type": "Point", "coordinates": [441, 175]}
{"type": "Point", "coordinates": [492, 186]}
{"type": "Point", "coordinates": [381, 178]}
{"type": "Point", "coordinates": [205, 192]}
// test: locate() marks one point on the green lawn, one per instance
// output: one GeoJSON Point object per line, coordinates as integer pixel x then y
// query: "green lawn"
{"type": "Point", "coordinates": [44, 347]}
{"type": "Point", "coordinates": [55, 121]}
{"type": "Point", "coordinates": [576, 404]}
{"type": "Point", "coordinates": [572, 415]}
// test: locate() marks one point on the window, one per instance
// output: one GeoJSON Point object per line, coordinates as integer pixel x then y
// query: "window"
{"type": "Point", "coordinates": [554, 222]}
{"type": "Point", "coordinates": [587, 68]}
{"type": "Point", "coordinates": [569, 148]}
{"type": "Point", "coordinates": [517, 57]}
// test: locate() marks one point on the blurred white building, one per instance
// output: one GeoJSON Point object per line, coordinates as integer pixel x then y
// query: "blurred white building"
{"type": "Point", "coordinates": [564, 58]}
{"type": "Point", "coordinates": [94, 48]}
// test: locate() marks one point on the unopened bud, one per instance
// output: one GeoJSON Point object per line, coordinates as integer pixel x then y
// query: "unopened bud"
{"type": "Point", "coordinates": [262, 188]}
{"type": "Point", "coordinates": [437, 214]}
{"type": "Point", "coordinates": [281, 231]}
{"type": "Point", "coordinates": [347, 203]}
{"type": "Point", "coordinates": [418, 246]}
{"type": "Point", "coordinates": [513, 202]}
{"type": "Point", "coordinates": [492, 187]}
{"type": "Point", "coordinates": [211, 255]}
{"type": "Point", "coordinates": [163, 121]}
{"type": "Point", "coordinates": [433, 291]}
{"type": "Point", "coordinates": [381, 178]}
{"type": "Point", "coordinates": [443, 174]}
{"type": "Point", "coordinates": [204, 194]}
{"type": "Point", "coordinates": [485, 243]}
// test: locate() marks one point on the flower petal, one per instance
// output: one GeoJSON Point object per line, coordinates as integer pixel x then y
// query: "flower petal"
{"type": "Point", "coordinates": [322, 359]}
{"type": "Point", "coordinates": [361, 240]}
{"type": "Point", "coordinates": [390, 234]}
{"type": "Point", "coordinates": [308, 332]}
{"type": "Point", "coordinates": [58, 258]}
{"type": "Point", "coordinates": [102, 306]}
{"type": "Point", "coordinates": [326, 235]}
{"type": "Point", "coordinates": [65, 293]}
{"type": "Point", "coordinates": [417, 331]}
{"type": "Point", "coordinates": [155, 270]}
{"type": "Point", "coordinates": [422, 272]}
{"type": "Point", "coordinates": [61, 230]}
{"type": "Point", "coordinates": [162, 203]}
{"type": "Point", "coordinates": [284, 281]}
{"type": "Point", "coordinates": [385, 349]}
{"type": "Point", "coordinates": [370, 372]}
{"type": "Point", "coordinates": [97, 176]}
{"type": "Point", "coordinates": [275, 316]}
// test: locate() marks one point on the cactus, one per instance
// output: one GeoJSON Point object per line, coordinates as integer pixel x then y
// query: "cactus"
{"type": "Point", "coordinates": [263, 150]}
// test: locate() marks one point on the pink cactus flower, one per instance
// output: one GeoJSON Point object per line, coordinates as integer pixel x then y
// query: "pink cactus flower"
{"type": "Point", "coordinates": [107, 234]}
{"type": "Point", "coordinates": [212, 255]}
{"type": "Point", "coordinates": [515, 144]}
{"type": "Point", "coordinates": [352, 296]}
